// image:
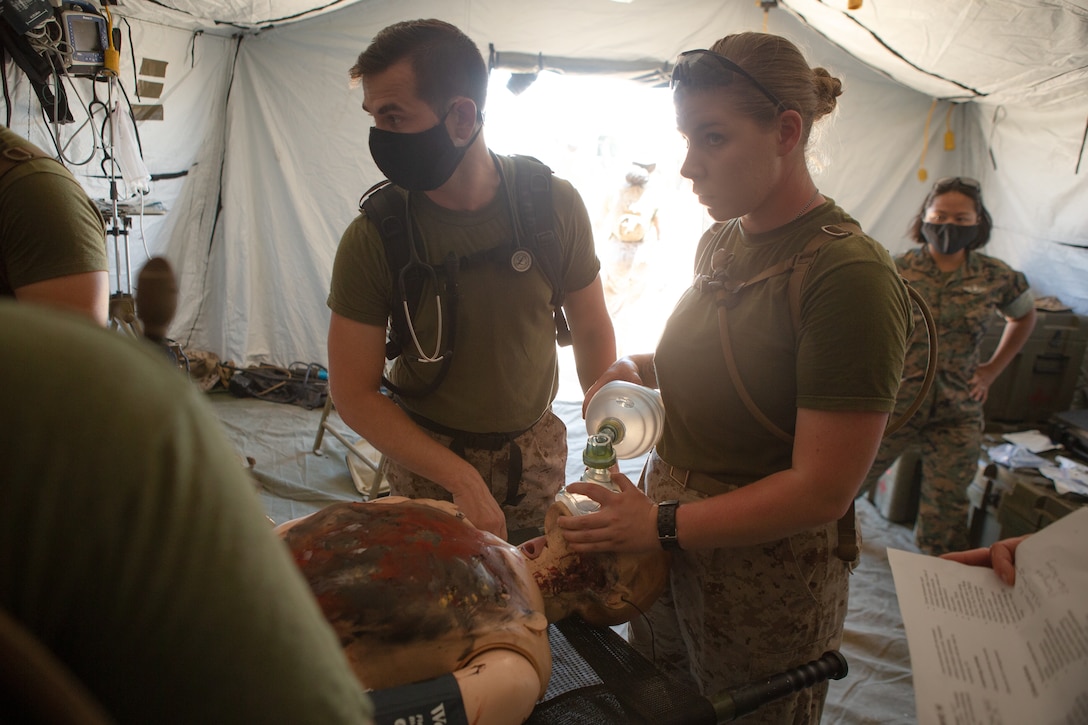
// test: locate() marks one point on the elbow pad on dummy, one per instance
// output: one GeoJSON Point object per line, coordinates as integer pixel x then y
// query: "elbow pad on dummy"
{"type": "Point", "coordinates": [436, 700]}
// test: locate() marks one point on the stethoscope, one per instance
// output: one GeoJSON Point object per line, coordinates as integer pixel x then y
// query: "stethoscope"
{"type": "Point", "coordinates": [521, 260]}
{"type": "Point", "coordinates": [417, 265]}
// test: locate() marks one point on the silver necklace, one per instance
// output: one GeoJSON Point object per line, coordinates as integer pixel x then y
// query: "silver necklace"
{"type": "Point", "coordinates": [803, 210]}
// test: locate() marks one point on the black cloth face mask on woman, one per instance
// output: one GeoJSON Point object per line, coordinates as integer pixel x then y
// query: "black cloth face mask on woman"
{"type": "Point", "coordinates": [420, 161]}
{"type": "Point", "coordinates": [949, 238]}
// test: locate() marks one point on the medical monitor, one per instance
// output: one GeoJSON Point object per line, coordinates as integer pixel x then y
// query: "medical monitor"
{"type": "Point", "coordinates": [85, 34]}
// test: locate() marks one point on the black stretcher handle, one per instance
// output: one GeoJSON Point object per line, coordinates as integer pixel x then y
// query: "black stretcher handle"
{"type": "Point", "coordinates": [731, 705]}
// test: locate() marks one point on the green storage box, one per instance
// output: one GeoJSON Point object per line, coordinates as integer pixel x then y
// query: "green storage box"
{"type": "Point", "coordinates": [1042, 377]}
{"type": "Point", "coordinates": [1032, 503]}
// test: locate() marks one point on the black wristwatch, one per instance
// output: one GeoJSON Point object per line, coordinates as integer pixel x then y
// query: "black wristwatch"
{"type": "Point", "coordinates": [666, 525]}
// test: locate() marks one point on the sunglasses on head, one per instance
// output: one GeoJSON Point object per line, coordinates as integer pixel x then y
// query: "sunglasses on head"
{"type": "Point", "coordinates": [965, 182]}
{"type": "Point", "coordinates": [707, 68]}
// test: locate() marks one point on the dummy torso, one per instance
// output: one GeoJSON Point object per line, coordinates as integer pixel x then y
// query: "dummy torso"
{"type": "Point", "coordinates": [415, 592]}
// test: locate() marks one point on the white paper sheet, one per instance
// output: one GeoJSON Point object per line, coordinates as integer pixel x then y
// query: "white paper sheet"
{"type": "Point", "coordinates": [1068, 476]}
{"type": "Point", "coordinates": [1032, 440]}
{"type": "Point", "coordinates": [985, 652]}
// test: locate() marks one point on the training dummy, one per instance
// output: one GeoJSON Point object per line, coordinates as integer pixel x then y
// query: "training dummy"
{"type": "Point", "coordinates": [416, 592]}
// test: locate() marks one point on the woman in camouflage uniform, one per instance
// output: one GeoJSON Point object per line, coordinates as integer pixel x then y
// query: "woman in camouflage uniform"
{"type": "Point", "coordinates": [758, 582]}
{"type": "Point", "coordinates": [963, 289]}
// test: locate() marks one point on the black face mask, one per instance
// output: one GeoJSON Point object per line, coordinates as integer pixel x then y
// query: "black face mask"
{"type": "Point", "coordinates": [949, 238]}
{"type": "Point", "coordinates": [417, 161]}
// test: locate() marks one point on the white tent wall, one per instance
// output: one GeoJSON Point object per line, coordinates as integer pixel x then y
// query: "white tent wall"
{"type": "Point", "coordinates": [185, 146]}
{"type": "Point", "coordinates": [1037, 195]}
{"type": "Point", "coordinates": [296, 165]}
{"type": "Point", "coordinates": [266, 125]}
{"type": "Point", "coordinates": [190, 142]}
{"type": "Point", "coordinates": [297, 161]}
{"type": "Point", "coordinates": [297, 158]}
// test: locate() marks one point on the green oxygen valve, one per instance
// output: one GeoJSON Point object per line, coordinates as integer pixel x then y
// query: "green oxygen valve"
{"type": "Point", "coordinates": [599, 456]}
{"type": "Point", "coordinates": [626, 421]}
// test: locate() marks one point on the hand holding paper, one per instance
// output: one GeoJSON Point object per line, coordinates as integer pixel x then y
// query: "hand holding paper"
{"type": "Point", "coordinates": [986, 652]}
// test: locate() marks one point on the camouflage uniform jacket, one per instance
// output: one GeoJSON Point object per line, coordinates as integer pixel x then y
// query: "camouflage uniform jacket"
{"type": "Point", "coordinates": [964, 304]}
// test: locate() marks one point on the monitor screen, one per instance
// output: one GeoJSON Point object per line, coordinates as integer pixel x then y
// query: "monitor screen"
{"type": "Point", "coordinates": [85, 34]}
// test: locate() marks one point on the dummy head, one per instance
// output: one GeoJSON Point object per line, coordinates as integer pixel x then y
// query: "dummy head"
{"type": "Point", "coordinates": [604, 589]}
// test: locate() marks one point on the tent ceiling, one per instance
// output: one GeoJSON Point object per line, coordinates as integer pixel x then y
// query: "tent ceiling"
{"type": "Point", "coordinates": [227, 15]}
{"type": "Point", "coordinates": [994, 51]}
{"type": "Point", "coordinates": [260, 145]}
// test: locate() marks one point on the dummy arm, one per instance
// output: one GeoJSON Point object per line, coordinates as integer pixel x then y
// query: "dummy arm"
{"type": "Point", "coordinates": [497, 687]}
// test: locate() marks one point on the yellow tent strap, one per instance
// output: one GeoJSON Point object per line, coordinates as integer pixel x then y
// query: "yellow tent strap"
{"type": "Point", "coordinates": [922, 173]}
{"type": "Point", "coordinates": [949, 137]}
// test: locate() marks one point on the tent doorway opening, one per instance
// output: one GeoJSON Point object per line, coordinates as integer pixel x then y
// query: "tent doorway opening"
{"type": "Point", "coordinates": [616, 141]}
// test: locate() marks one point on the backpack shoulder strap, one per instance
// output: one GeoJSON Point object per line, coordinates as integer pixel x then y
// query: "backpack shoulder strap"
{"type": "Point", "coordinates": [801, 262]}
{"type": "Point", "coordinates": [535, 211]}
{"type": "Point", "coordinates": [797, 266]}
{"type": "Point", "coordinates": [847, 549]}
{"type": "Point", "coordinates": [388, 210]}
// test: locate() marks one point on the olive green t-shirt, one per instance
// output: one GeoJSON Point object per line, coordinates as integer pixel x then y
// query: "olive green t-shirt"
{"type": "Point", "coordinates": [48, 226]}
{"type": "Point", "coordinates": [504, 371]}
{"type": "Point", "coordinates": [846, 356]}
{"type": "Point", "coordinates": [134, 546]}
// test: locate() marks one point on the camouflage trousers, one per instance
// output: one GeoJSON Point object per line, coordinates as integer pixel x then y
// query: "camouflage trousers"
{"type": "Point", "coordinates": [543, 472]}
{"type": "Point", "coordinates": [732, 616]}
{"type": "Point", "coordinates": [948, 437]}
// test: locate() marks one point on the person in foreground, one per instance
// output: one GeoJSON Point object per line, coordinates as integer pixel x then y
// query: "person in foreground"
{"type": "Point", "coordinates": [965, 291]}
{"type": "Point", "coordinates": [485, 437]}
{"type": "Point", "coordinates": [752, 507]}
{"type": "Point", "coordinates": [52, 237]}
{"type": "Point", "coordinates": [134, 548]}
{"type": "Point", "coordinates": [427, 604]}
{"type": "Point", "coordinates": [999, 556]}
